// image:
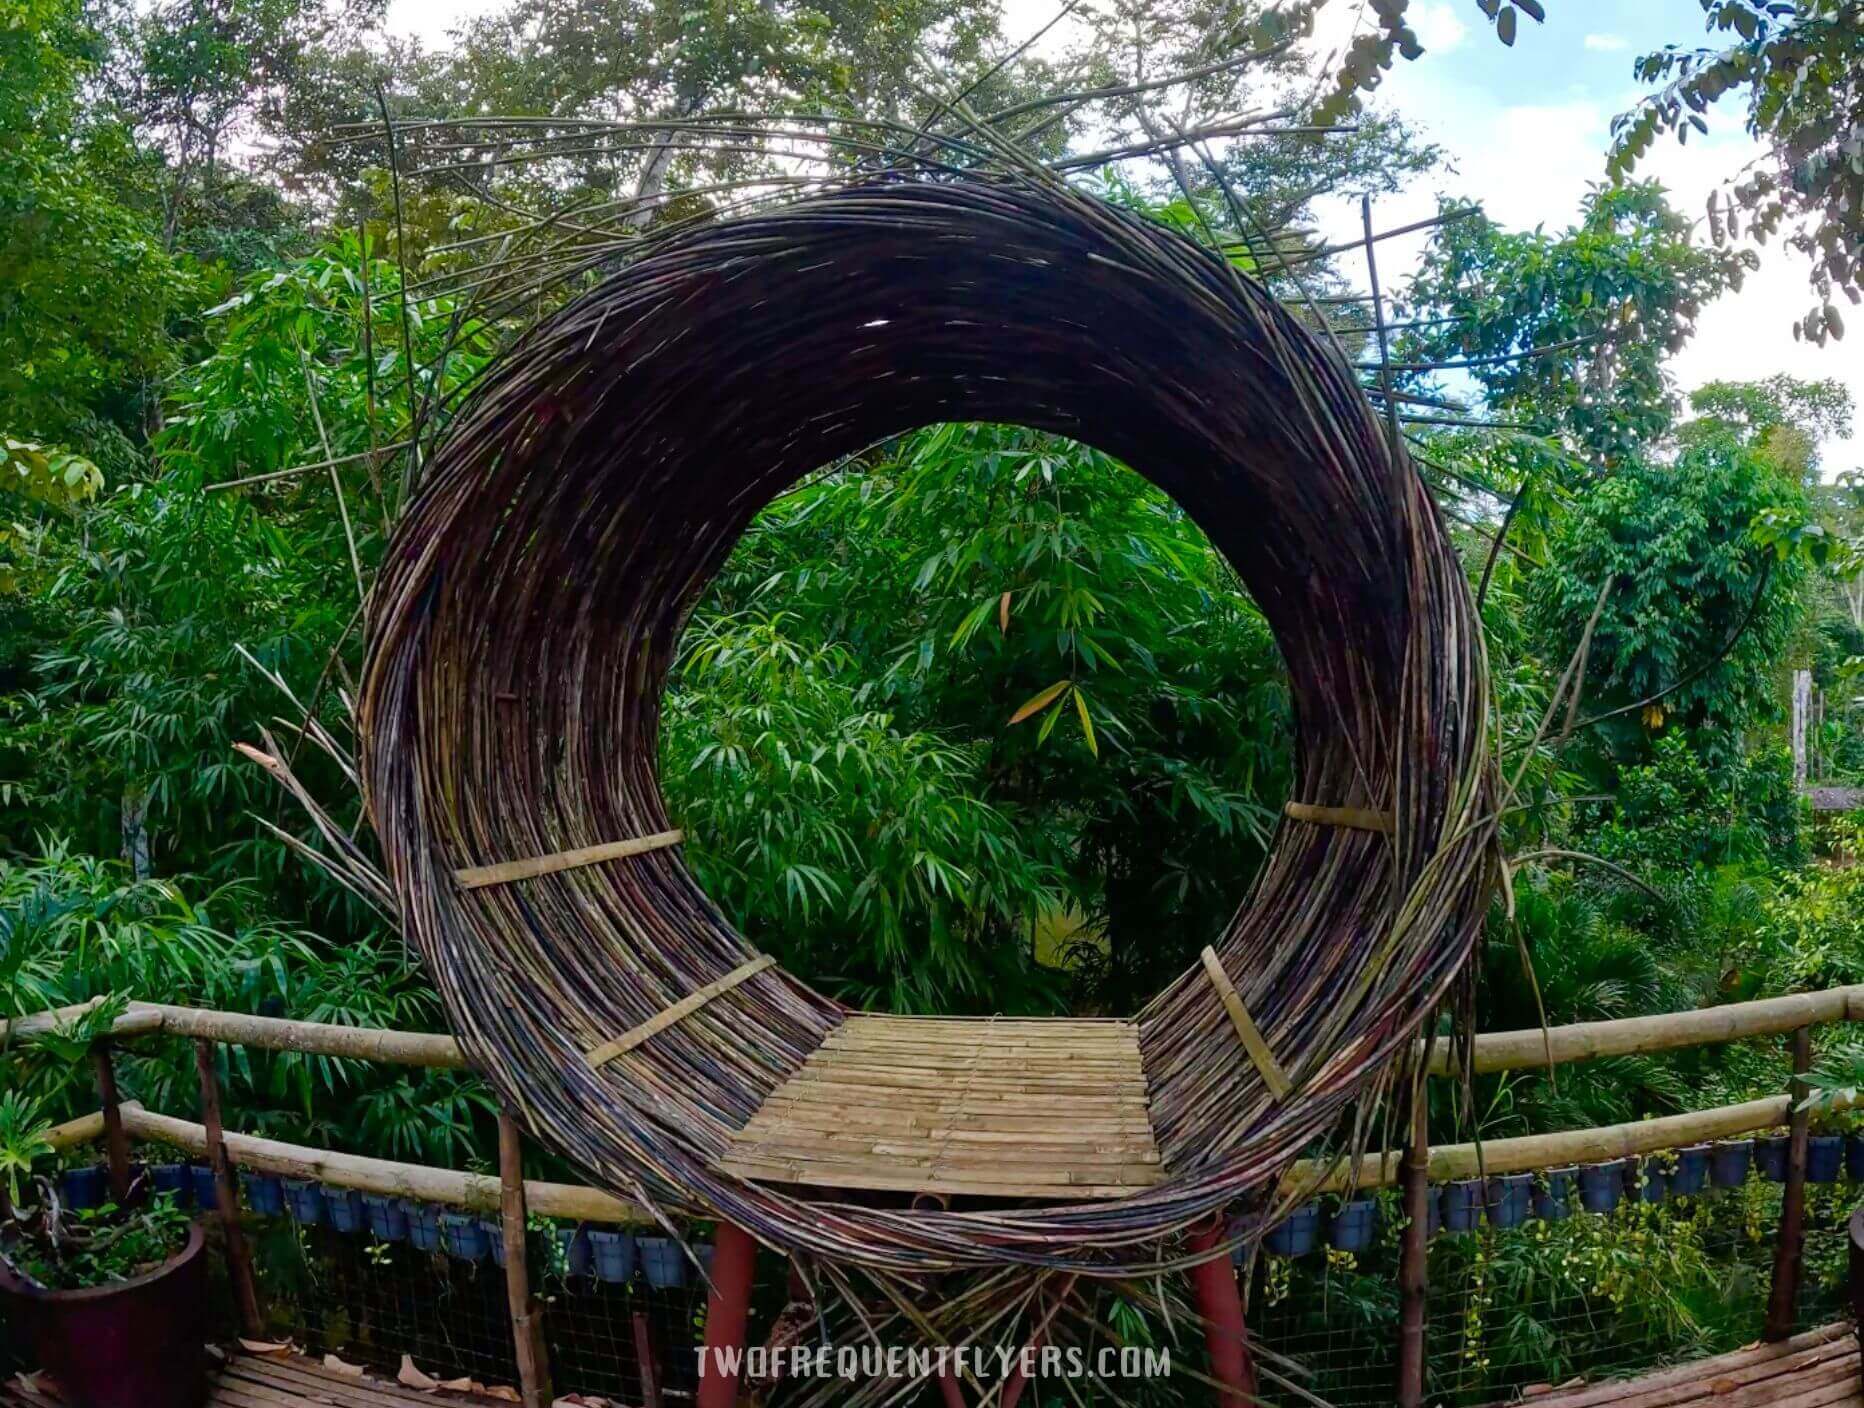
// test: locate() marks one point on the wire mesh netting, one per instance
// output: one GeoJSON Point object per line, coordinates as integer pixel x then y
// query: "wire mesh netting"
{"type": "Point", "coordinates": [370, 1302]}
{"type": "Point", "coordinates": [1593, 1296]}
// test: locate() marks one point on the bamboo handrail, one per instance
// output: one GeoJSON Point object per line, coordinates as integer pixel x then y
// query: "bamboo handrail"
{"type": "Point", "coordinates": [393, 1048]}
{"type": "Point", "coordinates": [1491, 1052]}
{"type": "Point", "coordinates": [474, 1191]}
{"type": "Point", "coordinates": [1666, 1031]}
{"type": "Point", "coordinates": [1531, 1152]}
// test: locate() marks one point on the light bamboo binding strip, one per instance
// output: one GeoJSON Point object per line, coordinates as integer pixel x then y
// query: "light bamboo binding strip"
{"type": "Point", "coordinates": [1357, 818]}
{"type": "Point", "coordinates": [1272, 1074]}
{"type": "Point", "coordinates": [679, 1011]}
{"type": "Point", "coordinates": [478, 876]}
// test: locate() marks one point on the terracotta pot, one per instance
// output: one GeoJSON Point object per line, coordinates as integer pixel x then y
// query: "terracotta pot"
{"type": "Point", "coordinates": [134, 1344]}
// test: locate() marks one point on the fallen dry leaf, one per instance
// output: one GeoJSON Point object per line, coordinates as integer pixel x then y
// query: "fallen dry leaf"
{"type": "Point", "coordinates": [504, 1394]}
{"type": "Point", "coordinates": [411, 1377]}
{"type": "Point", "coordinates": [270, 1349]}
{"type": "Point", "coordinates": [39, 1381]}
{"type": "Point", "coordinates": [460, 1385]}
{"type": "Point", "coordinates": [343, 1367]}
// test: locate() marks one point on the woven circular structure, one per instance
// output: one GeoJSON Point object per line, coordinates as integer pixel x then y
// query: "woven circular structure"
{"type": "Point", "coordinates": [528, 613]}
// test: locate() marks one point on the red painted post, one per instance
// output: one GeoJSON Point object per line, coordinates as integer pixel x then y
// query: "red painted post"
{"type": "Point", "coordinates": [1220, 1306]}
{"type": "Point", "coordinates": [727, 1314]}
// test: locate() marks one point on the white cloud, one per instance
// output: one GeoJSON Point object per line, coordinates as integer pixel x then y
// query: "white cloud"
{"type": "Point", "coordinates": [1605, 43]}
{"type": "Point", "coordinates": [1438, 28]}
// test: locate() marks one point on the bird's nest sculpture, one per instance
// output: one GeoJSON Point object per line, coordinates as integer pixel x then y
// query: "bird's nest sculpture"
{"type": "Point", "coordinates": [528, 612]}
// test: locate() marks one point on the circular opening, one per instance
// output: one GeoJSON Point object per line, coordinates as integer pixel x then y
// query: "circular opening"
{"type": "Point", "coordinates": [977, 721]}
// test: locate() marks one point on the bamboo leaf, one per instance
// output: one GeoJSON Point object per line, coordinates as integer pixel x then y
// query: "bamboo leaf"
{"type": "Point", "coordinates": [1036, 703]}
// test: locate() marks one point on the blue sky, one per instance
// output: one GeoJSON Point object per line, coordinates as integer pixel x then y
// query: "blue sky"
{"type": "Point", "coordinates": [1526, 130]}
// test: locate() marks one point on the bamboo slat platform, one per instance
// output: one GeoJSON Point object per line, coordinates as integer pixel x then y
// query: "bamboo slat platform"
{"type": "Point", "coordinates": [282, 1381]}
{"type": "Point", "coordinates": [980, 1106]}
{"type": "Point", "coordinates": [1819, 1369]}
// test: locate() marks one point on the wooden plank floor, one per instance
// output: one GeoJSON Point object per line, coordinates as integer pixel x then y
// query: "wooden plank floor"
{"type": "Point", "coordinates": [284, 1381]}
{"type": "Point", "coordinates": [993, 1107]}
{"type": "Point", "coordinates": [1819, 1369]}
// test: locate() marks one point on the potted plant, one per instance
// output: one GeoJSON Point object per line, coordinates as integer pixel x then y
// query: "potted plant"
{"type": "Point", "coordinates": [1462, 1205]}
{"type": "Point", "coordinates": [1770, 1155]}
{"type": "Point", "coordinates": [1510, 1196]}
{"type": "Point", "coordinates": [1729, 1162]}
{"type": "Point", "coordinates": [1553, 1200]}
{"type": "Point", "coordinates": [1691, 1174]}
{"type": "Point", "coordinates": [1355, 1226]}
{"type": "Point", "coordinates": [464, 1236]}
{"type": "Point", "coordinates": [1601, 1186]}
{"type": "Point", "coordinates": [110, 1300]}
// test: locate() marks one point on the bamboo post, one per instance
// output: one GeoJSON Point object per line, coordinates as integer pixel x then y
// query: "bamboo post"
{"type": "Point", "coordinates": [116, 1141]}
{"type": "Point", "coordinates": [1414, 1254]}
{"type": "Point", "coordinates": [644, 1357]}
{"type": "Point", "coordinates": [1789, 1252]}
{"type": "Point", "coordinates": [239, 1260]}
{"type": "Point", "coordinates": [527, 1329]}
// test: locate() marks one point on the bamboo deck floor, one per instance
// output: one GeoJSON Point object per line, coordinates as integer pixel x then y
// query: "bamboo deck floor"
{"type": "Point", "coordinates": [990, 1107]}
{"type": "Point", "coordinates": [282, 1381]}
{"type": "Point", "coordinates": [1819, 1369]}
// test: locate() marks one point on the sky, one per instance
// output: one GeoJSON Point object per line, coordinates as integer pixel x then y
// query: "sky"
{"type": "Point", "coordinates": [1525, 131]}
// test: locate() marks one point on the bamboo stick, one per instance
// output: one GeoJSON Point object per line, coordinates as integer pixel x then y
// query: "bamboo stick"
{"type": "Point", "coordinates": [1537, 1151]}
{"type": "Point", "coordinates": [1789, 1249]}
{"type": "Point", "coordinates": [475, 1191]}
{"type": "Point", "coordinates": [527, 1329]}
{"type": "Point", "coordinates": [116, 1141]}
{"type": "Point", "coordinates": [213, 1145]}
{"type": "Point", "coordinates": [1669, 1031]}
{"type": "Point", "coordinates": [85, 1129]}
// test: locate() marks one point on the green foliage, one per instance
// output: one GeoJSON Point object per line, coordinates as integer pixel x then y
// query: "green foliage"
{"type": "Point", "coordinates": [1625, 284]}
{"type": "Point", "coordinates": [74, 928]}
{"type": "Point", "coordinates": [23, 1140]}
{"type": "Point", "coordinates": [85, 287]}
{"type": "Point", "coordinates": [72, 1249]}
{"type": "Point", "coordinates": [1048, 704]}
{"type": "Point", "coordinates": [1697, 611]}
{"type": "Point", "coordinates": [1677, 814]}
{"type": "Point", "coordinates": [1795, 67]}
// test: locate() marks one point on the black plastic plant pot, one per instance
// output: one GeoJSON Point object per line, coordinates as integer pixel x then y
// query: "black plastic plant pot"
{"type": "Point", "coordinates": [205, 1194]}
{"type": "Point", "coordinates": [1462, 1205]}
{"type": "Point", "coordinates": [664, 1262]}
{"type": "Point", "coordinates": [1854, 1157]}
{"type": "Point", "coordinates": [1602, 1186]}
{"type": "Point", "coordinates": [176, 1180]}
{"type": "Point", "coordinates": [1770, 1156]}
{"type": "Point", "coordinates": [1691, 1174]}
{"type": "Point", "coordinates": [387, 1218]}
{"type": "Point", "coordinates": [464, 1237]}
{"type": "Point", "coordinates": [612, 1256]}
{"type": "Point", "coordinates": [1825, 1156]}
{"type": "Point", "coordinates": [1355, 1226]}
{"type": "Point", "coordinates": [344, 1211]}
{"type": "Point", "coordinates": [495, 1242]}
{"type": "Point", "coordinates": [578, 1256]}
{"type": "Point", "coordinates": [1729, 1162]}
{"type": "Point", "coordinates": [304, 1201]}
{"type": "Point", "coordinates": [1553, 1199]}
{"type": "Point", "coordinates": [85, 1187]}
{"type": "Point", "coordinates": [1510, 1199]}
{"type": "Point", "coordinates": [1652, 1180]}
{"type": "Point", "coordinates": [265, 1194]}
{"type": "Point", "coordinates": [423, 1225]}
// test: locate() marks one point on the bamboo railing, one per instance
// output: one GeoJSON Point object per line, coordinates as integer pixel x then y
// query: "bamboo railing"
{"type": "Point", "coordinates": [1489, 1053]}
